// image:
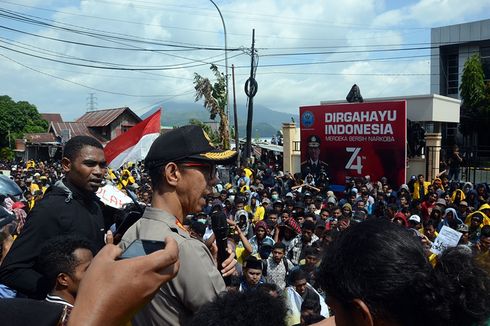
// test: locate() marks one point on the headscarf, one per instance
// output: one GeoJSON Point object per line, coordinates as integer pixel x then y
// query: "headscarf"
{"type": "Point", "coordinates": [462, 197]}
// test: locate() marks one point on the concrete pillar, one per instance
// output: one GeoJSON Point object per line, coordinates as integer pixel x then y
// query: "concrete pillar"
{"type": "Point", "coordinates": [433, 154]}
{"type": "Point", "coordinates": [289, 135]}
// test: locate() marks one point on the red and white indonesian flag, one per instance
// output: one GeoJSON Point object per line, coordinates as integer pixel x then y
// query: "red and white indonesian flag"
{"type": "Point", "coordinates": [133, 145]}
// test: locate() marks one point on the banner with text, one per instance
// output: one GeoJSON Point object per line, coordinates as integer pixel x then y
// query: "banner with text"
{"type": "Point", "coordinates": [357, 139]}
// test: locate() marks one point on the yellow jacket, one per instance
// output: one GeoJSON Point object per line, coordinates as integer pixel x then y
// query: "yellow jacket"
{"type": "Point", "coordinates": [416, 189]}
{"type": "Point", "coordinates": [461, 197]}
{"type": "Point", "coordinates": [258, 214]}
{"type": "Point", "coordinates": [486, 219]}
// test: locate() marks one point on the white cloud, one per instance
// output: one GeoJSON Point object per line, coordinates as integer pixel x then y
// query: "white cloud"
{"type": "Point", "coordinates": [281, 27]}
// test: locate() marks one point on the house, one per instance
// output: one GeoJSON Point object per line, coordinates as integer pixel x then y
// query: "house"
{"type": "Point", "coordinates": [104, 125]}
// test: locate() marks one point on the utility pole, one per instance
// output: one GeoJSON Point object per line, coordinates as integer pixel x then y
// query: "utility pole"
{"type": "Point", "coordinates": [235, 114]}
{"type": "Point", "coordinates": [250, 89]}
{"type": "Point", "coordinates": [226, 66]}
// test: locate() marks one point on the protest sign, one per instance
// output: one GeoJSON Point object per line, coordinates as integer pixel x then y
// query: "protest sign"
{"type": "Point", "coordinates": [447, 238]}
{"type": "Point", "coordinates": [110, 195]}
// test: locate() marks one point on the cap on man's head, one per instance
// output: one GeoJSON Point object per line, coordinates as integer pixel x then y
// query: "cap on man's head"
{"type": "Point", "coordinates": [187, 142]}
{"type": "Point", "coordinates": [463, 203]}
{"type": "Point", "coordinates": [441, 201]}
{"type": "Point", "coordinates": [313, 141]}
{"type": "Point", "coordinates": [415, 218]}
{"type": "Point", "coordinates": [277, 203]}
{"type": "Point", "coordinates": [252, 262]}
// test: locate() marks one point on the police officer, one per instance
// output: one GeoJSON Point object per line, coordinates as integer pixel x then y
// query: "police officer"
{"type": "Point", "coordinates": [313, 165]}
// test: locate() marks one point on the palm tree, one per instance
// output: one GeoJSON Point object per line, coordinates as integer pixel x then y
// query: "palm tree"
{"type": "Point", "coordinates": [214, 101]}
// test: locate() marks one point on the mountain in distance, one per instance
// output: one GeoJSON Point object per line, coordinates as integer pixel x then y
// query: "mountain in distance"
{"type": "Point", "coordinates": [266, 122]}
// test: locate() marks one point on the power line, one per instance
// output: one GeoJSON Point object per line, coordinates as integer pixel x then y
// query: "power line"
{"type": "Point", "coordinates": [39, 21]}
{"type": "Point", "coordinates": [288, 19]}
{"type": "Point", "coordinates": [124, 68]}
{"type": "Point", "coordinates": [343, 74]}
{"type": "Point", "coordinates": [355, 46]}
{"type": "Point", "coordinates": [352, 51]}
{"type": "Point", "coordinates": [56, 54]}
{"type": "Point", "coordinates": [119, 76]}
{"type": "Point", "coordinates": [338, 61]}
{"type": "Point", "coordinates": [230, 33]}
{"type": "Point", "coordinates": [80, 84]}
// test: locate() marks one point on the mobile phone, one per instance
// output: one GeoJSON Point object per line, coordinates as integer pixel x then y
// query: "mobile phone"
{"type": "Point", "coordinates": [141, 247]}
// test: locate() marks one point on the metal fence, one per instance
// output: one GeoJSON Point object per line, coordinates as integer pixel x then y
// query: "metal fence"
{"type": "Point", "coordinates": [475, 167]}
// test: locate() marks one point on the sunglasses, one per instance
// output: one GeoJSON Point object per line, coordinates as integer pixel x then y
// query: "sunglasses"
{"type": "Point", "coordinates": [209, 170]}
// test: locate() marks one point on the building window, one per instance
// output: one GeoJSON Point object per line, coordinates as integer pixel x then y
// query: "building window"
{"type": "Point", "coordinates": [485, 61]}
{"type": "Point", "coordinates": [452, 74]}
{"type": "Point", "coordinates": [125, 128]}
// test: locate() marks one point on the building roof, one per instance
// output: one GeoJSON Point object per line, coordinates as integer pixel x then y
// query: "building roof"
{"type": "Point", "coordinates": [427, 107]}
{"type": "Point", "coordinates": [76, 128]}
{"type": "Point", "coordinates": [102, 118]}
{"type": "Point", "coordinates": [45, 137]}
{"type": "Point", "coordinates": [51, 117]}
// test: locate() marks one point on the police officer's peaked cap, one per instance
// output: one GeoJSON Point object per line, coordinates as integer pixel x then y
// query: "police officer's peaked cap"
{"type": "Point", "coordinates": [186, 143]}
{"type": "Point", "coordinates": [313, 141]}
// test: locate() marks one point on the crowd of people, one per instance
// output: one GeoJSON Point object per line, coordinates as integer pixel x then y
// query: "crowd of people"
{"type": "Point", "coordinates": [362, 255]}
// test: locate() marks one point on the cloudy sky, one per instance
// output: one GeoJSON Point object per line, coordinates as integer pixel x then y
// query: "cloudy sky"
{"type": "Point", "coordinates": [143, 53]}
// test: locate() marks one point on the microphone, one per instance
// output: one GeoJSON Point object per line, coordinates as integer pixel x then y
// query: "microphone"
{"type": "Point", "coordinates": [220, 230]}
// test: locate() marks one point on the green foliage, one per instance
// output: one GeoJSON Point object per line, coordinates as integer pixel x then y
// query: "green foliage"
{"type": "Point", "coordinates": [472, 82]}
{"type": "Point", "coordinates": [213, 135]}
{"type": "Point", "coordinates": [18, 118]}
{"type": "Point", "coordinates": [6, 154]}
{"type": "Point", "coordinates": [214, 95]}
{"type": "Point", "coordinates": [475, 95]}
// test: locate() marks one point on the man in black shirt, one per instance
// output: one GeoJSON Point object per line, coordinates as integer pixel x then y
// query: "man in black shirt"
{"type": "Point", "coordinates": [68, 207]}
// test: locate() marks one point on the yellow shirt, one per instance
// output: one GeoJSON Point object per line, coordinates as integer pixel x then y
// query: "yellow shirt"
{"type": "Point", "coordinates": [33, 188]}
{"type": "Point", "coordinates": [248, 172]}
{"type": "Point", "coordinates": [259, 213]}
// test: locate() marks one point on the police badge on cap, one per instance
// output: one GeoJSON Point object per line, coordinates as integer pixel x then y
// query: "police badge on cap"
{"type": "Point", "coordinates": [313, 141]}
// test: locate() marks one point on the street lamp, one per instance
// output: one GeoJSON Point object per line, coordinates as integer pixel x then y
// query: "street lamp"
{"type": "Point", "coordinates": [226, 63]}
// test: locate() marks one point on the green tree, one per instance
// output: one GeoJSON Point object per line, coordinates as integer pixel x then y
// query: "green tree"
{"type": "Point", "coordinates": [213, 135]}
{"type": "Point", "coordinates": [17, 119]}
{"type": "Point", "coordinates": [475, 95]}
{"type": "Point", "coordinates": [214, 101]}
{"type": "Point", "coordinates": [472, 86]}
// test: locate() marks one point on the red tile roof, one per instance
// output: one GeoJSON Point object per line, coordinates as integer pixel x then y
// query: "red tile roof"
{"type": "Point", "coordinates": [52, 117]}
{"type": "Point", "coordinates": [102, 118]}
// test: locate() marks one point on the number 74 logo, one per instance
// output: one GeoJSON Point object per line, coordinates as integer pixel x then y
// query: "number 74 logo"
{"type": "Point", "coordinates": [354, 157]}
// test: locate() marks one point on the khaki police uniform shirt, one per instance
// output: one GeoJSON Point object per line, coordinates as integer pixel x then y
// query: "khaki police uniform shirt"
{"type": "Point", "coordinates": [197, 282]}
